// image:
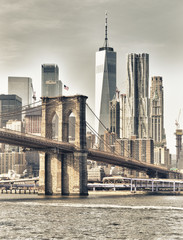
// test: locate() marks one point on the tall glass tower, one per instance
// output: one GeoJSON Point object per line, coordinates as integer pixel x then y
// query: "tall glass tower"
{"type": "Point", "coordinates": [51, 85]}
{"type": "Point", "coordinates": [105, 82]}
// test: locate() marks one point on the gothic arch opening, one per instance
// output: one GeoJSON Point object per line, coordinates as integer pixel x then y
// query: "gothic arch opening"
{"type": "Point", "coordinates": [72, 128]}
{"type": "Point", "coordinates": [55, 126]}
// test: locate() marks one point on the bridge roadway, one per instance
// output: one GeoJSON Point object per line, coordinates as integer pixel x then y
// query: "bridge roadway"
{"type": "Point", "coordinates": [33, 142]}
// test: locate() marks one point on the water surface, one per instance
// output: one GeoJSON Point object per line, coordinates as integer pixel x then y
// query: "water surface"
{"type": "Point", "coordinates": [94, 217]}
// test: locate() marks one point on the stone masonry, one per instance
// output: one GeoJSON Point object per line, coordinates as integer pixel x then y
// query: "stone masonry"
{"type": "Point", "coordinates": [64, 173]}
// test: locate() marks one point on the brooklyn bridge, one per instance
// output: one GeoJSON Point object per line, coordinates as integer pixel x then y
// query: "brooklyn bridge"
{"type": "Point", "coordinates": [63, 165]}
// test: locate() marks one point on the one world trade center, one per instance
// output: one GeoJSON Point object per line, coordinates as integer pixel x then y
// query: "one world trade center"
{"type": "Point", "coordinates": [105, 83]}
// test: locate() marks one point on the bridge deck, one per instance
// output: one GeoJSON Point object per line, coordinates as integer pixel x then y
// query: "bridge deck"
{"type": "Point", "coordinates": [44, 144]}
{"type": "Point", "coordinates": [118, 160]}
{"type": "Point", "coordinates": [34, 142]}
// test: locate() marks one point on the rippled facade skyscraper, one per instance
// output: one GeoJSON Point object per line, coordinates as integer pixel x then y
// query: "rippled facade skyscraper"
{"type": "Point", "coordinates": [137, 116]}
{"type": "Point", "coordinates": [105, 82]}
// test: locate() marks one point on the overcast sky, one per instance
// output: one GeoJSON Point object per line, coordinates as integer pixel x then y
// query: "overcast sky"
{"type": "Point", "coordinates": [68, 33]}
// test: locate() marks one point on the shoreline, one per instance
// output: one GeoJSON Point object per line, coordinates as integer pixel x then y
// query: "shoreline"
{"type": "Point", "coordinates": [129, 193]}
{"type": "Point", "coordinates": [92, 194]}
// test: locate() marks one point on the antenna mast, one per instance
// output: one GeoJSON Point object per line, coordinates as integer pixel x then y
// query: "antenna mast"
{"type": "Point", "coordinates": [106, 39]}
{"type": "Point", "coordinates": [106, 43]}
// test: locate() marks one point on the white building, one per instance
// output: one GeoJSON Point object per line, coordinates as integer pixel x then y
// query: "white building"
{"type": "Point", "coordinates": [22, 87]}
{"type": "Point", "coordinates": [15, 125]}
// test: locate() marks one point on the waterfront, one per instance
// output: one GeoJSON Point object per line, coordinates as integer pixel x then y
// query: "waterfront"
{"type": "Point", "coordinates": [99, 216]}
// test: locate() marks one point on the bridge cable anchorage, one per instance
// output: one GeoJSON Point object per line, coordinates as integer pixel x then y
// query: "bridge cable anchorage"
{"type": "Point", "coordinates": [130, 154]}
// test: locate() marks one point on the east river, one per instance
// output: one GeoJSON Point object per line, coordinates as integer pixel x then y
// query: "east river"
{"type": "Point", "coordinates": [98, 216]}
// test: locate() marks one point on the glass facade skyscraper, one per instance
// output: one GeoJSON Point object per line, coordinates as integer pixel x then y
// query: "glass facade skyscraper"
{"type": "Point", "coordinates": [115, 117]}
{"type": "Point", "coordinates": [51, 85]}
{"type": "Point", "coordinates": [105, 83]}
{"type": "Point", "coordinates": [10, 103]}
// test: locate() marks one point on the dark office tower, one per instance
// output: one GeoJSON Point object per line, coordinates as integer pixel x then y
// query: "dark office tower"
{"type": "Point", "coordinates": [105, 83]}
{"type": "Point", "coordinates": [51, 85]}
{"type": "Point", "coordinates": [33, 117]}
{"type": "Point", "coordinates": [157, 110]}
{"type": "Point", "coordinates": [137, 96]}
{"type": "Point", "coordinates": [22, 87]}
{"type": "Point", "coordinates": [114, 112]}
{"type": "Point", "coordinates": [123, 116]}
{"type": "Point", "coordinates": [10, 108]}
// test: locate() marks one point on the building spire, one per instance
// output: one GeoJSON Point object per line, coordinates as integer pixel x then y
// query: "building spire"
{"type": "Point", "coordinates": [106, 44]}
{"type": "Point", "coordinates": [106, 39]}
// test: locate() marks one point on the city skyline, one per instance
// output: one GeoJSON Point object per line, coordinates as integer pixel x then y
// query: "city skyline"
{"type": "Point", "coordinates": [61, 32]}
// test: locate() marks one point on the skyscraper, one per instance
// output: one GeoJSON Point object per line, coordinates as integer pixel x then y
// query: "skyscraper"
{"type": "Point", "coordinates": [123, 116]}
{"type": "Point", "coordinates": [105, 82]}
{"type": "Point", "coordinates": [22, 87]}
{"type": "Point", "coordinates": [137, 119]}
{"type": "Point", "coordinates": [10, 108]}
{"type": "Point", "coordinates": [51, 85]}
{"type": "Point", "coordinates": [32, 121]}
{"type": "Point", "coordinates": [114, 111]}
{"type": "Point", "coordinates": [157, 110]}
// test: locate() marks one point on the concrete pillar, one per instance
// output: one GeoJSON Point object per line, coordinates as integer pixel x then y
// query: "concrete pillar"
{"type": "Point", "coordinates": [74, 174]}
{"type": "Point", "coordinates": [81, 157]}
{"type": "Point", "coordinates": [50, 174]}
{"type": "Point", "coordinates": [53, 174]}
{"type": "Point", "coordinates": [66, 170]}
{"type": "Point", "coordinates": [41, 189]}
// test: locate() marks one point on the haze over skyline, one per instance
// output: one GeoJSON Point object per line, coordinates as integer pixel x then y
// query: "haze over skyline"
{"type": "Point", "coordinates": [68, 33]}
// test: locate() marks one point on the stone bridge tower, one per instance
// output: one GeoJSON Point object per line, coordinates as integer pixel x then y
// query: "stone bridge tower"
{"type": "Point", "coordinates": [60, 172]}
